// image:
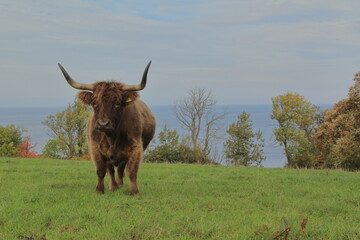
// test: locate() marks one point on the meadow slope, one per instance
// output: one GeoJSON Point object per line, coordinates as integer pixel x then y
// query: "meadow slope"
{"type": "Point", "coordinates": [55, 199]}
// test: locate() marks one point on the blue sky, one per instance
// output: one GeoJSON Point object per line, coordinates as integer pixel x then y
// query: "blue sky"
{"type": "Point", "coordinates": [244, 51]}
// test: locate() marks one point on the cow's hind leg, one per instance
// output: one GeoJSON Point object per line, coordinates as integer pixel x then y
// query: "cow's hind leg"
{"type": "Point", "coordinates": [120, 171]}
{"type": "Point", "coordinates": [132, 168]}
{"type": "Point", "coordinates": [113, 184]}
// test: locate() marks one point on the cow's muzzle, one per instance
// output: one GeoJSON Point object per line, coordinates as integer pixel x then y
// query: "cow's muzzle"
{"type": "Point", "coordinates": [104, 125]}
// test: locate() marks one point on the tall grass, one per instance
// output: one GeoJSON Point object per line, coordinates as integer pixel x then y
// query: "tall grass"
{"type": "Point", "coordinates": [55, 199]}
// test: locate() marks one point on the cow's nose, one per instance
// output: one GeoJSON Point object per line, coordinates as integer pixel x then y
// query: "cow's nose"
{"type": "Point", "coordinates": [103, 123]}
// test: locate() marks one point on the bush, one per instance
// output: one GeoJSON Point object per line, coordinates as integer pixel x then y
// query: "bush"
{"type": "Point", "coordinates": [25, 149]}
{"type": "Point", "coordinates": [10, 139]}
{"type": "Point", "coordinates": [175, 154]}
{"type": "Point", "coordinates": [171, 151]}
{"type": "Point", "coordinates": [52, 149]}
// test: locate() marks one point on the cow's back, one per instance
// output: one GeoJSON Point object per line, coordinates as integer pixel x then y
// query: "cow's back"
{"type": "Point", "coordinates": [148, 123]}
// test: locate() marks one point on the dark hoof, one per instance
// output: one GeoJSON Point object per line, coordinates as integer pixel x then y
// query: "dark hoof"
{"type": "Point", "coordinates": [113, 188]}
{"type": "Point", "coordinates": [134, 194]}
{"type": "Point", "coordinates": [99, 191]}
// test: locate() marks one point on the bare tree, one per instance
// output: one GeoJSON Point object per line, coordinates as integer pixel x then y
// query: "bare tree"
{"type": "Point", "coordinates": [197, 114]}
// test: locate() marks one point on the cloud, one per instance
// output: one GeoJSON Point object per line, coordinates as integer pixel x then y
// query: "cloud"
{"type": "Point", "coordinates": [252, 49]}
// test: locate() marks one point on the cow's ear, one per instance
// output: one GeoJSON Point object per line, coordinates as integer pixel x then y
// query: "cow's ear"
{"type": "Point", "coordinates": [85, 97]}
{"type": "Point", "coordinates": [129, 97]}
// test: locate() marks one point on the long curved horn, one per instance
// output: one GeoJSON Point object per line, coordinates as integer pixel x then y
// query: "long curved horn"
{"type": "Point", "coordinates": [142, 85]}
{"type": "Point", "coordinates": [74, 84]}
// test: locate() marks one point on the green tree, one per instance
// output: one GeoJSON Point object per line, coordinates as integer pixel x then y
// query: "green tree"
{"type": "Point", "coordinates": [10, 139]}
{"type": "Point", "coordinates": [296, 120]}
{"type": "Point", "coordinates": [68, 132]}
{"type": "Point", "coordinates": [243, 146]}
{"type": "Point", "coordinates": [338, 137]}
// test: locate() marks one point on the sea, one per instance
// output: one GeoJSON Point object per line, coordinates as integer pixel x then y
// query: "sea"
{"type": "Point", "coordinates": [32, 117]}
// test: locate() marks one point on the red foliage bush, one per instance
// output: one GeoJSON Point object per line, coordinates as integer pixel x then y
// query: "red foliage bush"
{"type": "Point", "coordinates": [25, 149]}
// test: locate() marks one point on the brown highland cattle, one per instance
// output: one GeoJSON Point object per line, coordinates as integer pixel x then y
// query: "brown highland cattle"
{"type": "Point", "coordinates": [120, 128]}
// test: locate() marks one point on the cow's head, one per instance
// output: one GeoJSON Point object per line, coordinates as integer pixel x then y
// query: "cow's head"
{"type": "Point", "coordinates": [108, 99]}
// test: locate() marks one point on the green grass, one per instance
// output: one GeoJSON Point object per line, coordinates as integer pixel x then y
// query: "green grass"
{"type": "Point", "coordinates": [55, 199]}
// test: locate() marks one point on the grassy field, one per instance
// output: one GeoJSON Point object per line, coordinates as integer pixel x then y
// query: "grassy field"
{"type": "Point", "coordinates": [55, 199]}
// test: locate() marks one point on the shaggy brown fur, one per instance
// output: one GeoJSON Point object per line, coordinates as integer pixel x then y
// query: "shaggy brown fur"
{"type": "Point", "coordinates": [119, 130]}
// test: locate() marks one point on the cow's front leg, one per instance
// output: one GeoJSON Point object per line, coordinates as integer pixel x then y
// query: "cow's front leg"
{"type": "Point", "coordinates": [113, 186]}
{"type": "Point", "coordinates": [132, 168]}
{"type": "Point", "coordinates": [100, 171]}
{"type": "Point", "coordinates": [101, 167]}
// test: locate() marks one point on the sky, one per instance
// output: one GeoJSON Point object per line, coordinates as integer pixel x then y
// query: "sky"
{"type": "Point", "coordinates": [244, 51]}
